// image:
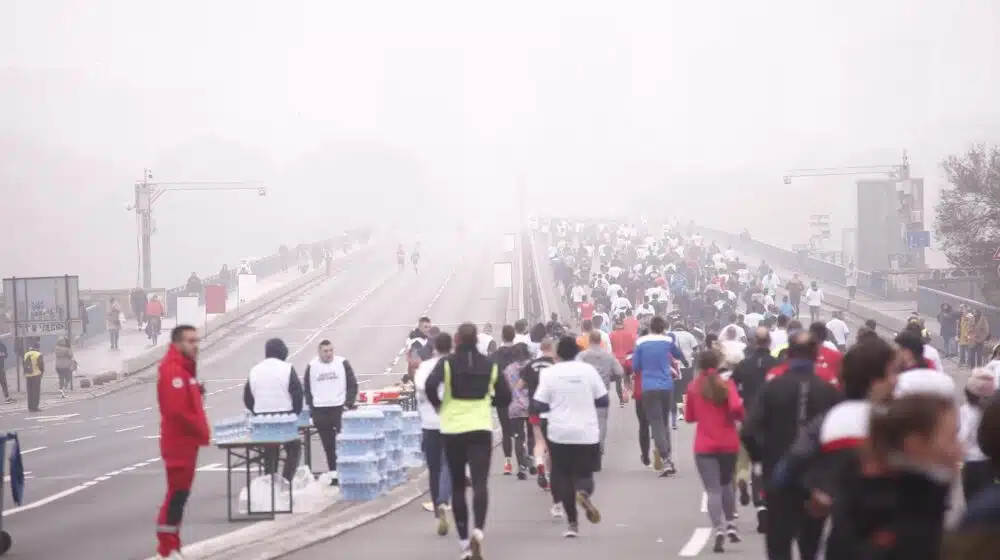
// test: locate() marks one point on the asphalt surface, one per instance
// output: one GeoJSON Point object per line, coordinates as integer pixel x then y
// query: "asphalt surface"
{"type": "Point", "coordinates": [643, 516]}
{"type": "Point", "coordinates": [95, 479]}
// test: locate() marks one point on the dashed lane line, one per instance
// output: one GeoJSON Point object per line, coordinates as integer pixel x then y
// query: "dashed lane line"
{"type": "Point", "coordinates": [33, 449]}
{"type": "Point", "coordinates": [78, 488]}
{"type": "Point", "coordinates": [129, 429]}
{"type": "Point", "coordinates": [696, 543]}
{"type": "Point", "coordinates": [84, 438]}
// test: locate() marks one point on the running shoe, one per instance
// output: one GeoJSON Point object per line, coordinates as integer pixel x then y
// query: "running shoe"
{"type": "Point", "coordinates": [732, 533]}
{"type": "Point", "coordinates": [466, 549]}
{"type": "Point", "coordinates": [720, 542]}
{"type": "Point", "coordinates": [762, 520]}
{"type": "Point", "coordinates": [669, 468]}
{"type": "Point", "coordinates": [532, 468]}
{"type": "Point", "coordinates": [476, 544]}
{"type": "Point", "coordinates": [522, 473]}
{"type": "Point", "coordinates": [557, 511]}
{"type": "Point", "coordinates": [744, 492]}
{"type": "Point", "coordinates": [442, 515]}
{"type": "Point", "coordinates": [428, 506]}
{"type": "Point", "coordinates": [543, 482]}
{"type": "Point", "coordinates": [593, 514]}
{"type": "Point", "coordinates": [508, 469]}
{"type": "Point", "coordinates": [572, 531]}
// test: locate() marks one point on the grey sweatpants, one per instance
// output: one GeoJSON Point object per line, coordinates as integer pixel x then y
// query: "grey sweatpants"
{"type": "Point", "coordinates": [657, 405]}
{"type": "Point", "coordinates": [716, 471]}
{"type": "Point", "coordinates": [602, 424]}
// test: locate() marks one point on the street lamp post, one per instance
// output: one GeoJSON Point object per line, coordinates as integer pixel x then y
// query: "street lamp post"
{"type": "Point", "coordinates": [148, 191]}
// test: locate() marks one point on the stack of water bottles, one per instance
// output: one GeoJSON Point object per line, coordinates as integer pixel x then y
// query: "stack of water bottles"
{"type": "Point", "coordinates": [231, 429]}
{"type": "Point", "coordinates": [274, 427]}
{"type": "Point", "coordinates": [396, 474]}
{"type": "Point", "coordinates": [362, 455]}
{"type": "Point", "coordinates": [413, 454]}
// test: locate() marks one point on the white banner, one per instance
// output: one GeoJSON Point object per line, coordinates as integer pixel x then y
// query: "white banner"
{"type": "Point", "coordinates": [189, 312]}
{"type": "Point", "coordinates": [247, 287]}
{"type": "Point", "coordinates": [509, 242]}
{"type": "Point", "coordinates": [503, 275]}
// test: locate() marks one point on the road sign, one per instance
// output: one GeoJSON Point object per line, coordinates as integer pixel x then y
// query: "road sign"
{"type": "Point", "coordinates": [918, 239]}
{"type": "Point", "coordinates": [998, 270]}
{"type": "Point", "coordinates": [996, 254]}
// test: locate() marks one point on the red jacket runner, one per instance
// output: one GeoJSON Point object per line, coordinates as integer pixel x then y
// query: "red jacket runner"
{"type": "Point", "coordinates": [827, 366]}
{"type": "Point", "coordinates": [182, 414]}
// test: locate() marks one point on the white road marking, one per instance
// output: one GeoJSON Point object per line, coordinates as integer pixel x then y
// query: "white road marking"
{"type": "Point", "coordinates": [127, 429]}
{"type": "Point", "coordinates": [697, 542]}
{"type": "Point", "coordinates": [26, 473]}
{"type": "Point", "coordinates": [69, 491]}
{"type": "Point", "coordinates": [157, 436]}
{"type": "Point", "coordinates": [114, 415]}
{"type": "Point", "coordinates": [53, 418]}
{"type": "Point", "coordinates": [33, 449]}
{"type": "Point", "coordinates": [212, 467]}
{"type": "Point", "coordinates": [704, 502]}
{"type": "Point", "coordinates": [84, 438]}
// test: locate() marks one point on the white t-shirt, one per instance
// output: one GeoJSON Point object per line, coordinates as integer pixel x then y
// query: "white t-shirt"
{"type": "Point", "coordinates": [577, 293]}
{"type": "Point", "coordinates": [740, 333]}
{"type": "Point", "coordinates": [779, 337]}
{"type": "Point", "coordinates": [932, 354]}
{"type": "Point", "coordinates": [686, 343]}
{"type": "Point", "coordinates": [839, 330]}
{"type": "Point", "coordinates": [570, 389]}
{"type": "Point", "coordinates": [483, 341]}
{"type": "Point", "coordinates": [814, 298]}
{"type": "Point", "coordinates": [753, 320]}
{"type": "Point", "coordinates": [429, 419]}
{"type": "Point", "coordinates": [968, 427]}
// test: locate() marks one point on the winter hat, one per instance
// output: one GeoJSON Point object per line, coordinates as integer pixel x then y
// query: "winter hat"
{"type": "Point", "coordinates": [981, 384]}
{"type": "Point", "coordinates": [924, 382]}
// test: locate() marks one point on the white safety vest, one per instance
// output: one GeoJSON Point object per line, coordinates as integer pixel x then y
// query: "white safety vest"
{"type": "Point", "coordinates": [328, 382]}
{"type": "Point", "coordinates": [269, 386]}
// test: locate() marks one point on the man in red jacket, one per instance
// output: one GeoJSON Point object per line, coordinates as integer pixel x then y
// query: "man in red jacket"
{"type": "Point", "coordinates": [183, 429]}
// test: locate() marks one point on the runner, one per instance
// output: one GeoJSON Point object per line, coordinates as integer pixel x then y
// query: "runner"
{"type": "Point", "coordinates": [470, 382]}
{"type": "Point", "coordinates": [571, 392]}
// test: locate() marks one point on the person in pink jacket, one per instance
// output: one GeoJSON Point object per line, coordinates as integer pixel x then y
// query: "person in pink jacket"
{"type": "Point", "coordinates": [715, 407]}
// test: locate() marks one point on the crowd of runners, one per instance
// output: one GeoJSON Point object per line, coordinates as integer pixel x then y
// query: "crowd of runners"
{"type": "Point", "coordinates": [847, 444]}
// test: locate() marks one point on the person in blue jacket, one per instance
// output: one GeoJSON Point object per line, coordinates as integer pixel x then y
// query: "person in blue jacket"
{"type": "Point", "coordinates": [652, 360]}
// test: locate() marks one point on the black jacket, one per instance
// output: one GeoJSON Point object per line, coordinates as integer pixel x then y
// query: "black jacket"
{"type": "Point", "coordinates": [751, 374]}
{"type": "Point", "coordinates": [470, 378]}
{"type": "Point", "coordinates": [893, 517]}
{"type": "Point", "coordinates": [776, 420]}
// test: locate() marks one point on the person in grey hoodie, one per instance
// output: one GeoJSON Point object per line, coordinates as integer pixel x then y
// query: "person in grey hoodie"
{"type": "Point", "coordinates": [610, 369]}
{"type": "Point", "coordinates": [65, 364]}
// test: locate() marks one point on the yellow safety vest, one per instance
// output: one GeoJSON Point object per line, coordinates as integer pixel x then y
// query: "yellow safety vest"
{"type": "Point", "coordinates": [31, 359]}
{"type": "Point", "coordinates": [459, 416]}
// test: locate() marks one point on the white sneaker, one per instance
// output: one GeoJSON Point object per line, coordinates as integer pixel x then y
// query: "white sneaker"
{"type": "Point", "coordinates": [557, 511]}
{"type": "Point", "coordinates": [476, 544]}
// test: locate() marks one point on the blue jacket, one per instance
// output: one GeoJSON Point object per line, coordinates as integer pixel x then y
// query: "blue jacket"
{"type": "Point", "coordinates": [652, 359]}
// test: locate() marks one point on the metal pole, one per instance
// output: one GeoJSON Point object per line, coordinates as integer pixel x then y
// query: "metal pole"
{"type": "Point", "coordinates": [17, 334]}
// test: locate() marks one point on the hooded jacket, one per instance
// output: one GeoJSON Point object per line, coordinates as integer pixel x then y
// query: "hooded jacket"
{"type": "Point", "coordinates": [470, 378]}
{"type": "Point", "coordinates": [273, 386]}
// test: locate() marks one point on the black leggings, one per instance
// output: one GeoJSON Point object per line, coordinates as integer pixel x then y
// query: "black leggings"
{"type": "Point", "coordinates": [506, 432]}
{"type": "Point", "coordinates": [976, 476]}
{"type": "Point", "coordinates": [473, 449]}
{"type": "Point", "coordinates": [520, 440]}
{"type": "Point", "coordinates": [572, 471]}
{"type": "Point", "coordinates": [644, 434]}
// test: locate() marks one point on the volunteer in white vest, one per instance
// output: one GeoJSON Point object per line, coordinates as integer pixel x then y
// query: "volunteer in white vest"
{"type": "Point", "coordinates": [433, 445]}
{"type": "Point", "coordinates": [273, 387]}
{"type": "Point", "coordinates": [330, 386]}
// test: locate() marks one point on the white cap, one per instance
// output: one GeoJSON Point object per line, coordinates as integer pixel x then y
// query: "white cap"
{"type": "Point", "coordinates": [924, 382]}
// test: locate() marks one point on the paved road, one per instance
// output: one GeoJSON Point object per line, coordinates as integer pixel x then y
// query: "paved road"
{"type": "Point", "coordinates": [96, 480]}
{"type": "Point", "coordinates": [643, 516]}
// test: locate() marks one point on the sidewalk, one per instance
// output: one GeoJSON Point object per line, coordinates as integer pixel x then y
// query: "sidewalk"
{"type": "Point", "coordinates": [95, 357]}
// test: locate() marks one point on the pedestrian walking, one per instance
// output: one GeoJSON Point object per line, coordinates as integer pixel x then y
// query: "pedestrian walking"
{"type": "Point", "coordinates": [183, 429]}
{"type": "Point", "coordinates": [34, 368]}
{"type": "Point", "coordinates": [115, 320]}
{"type": "Point", "coordinates": [330, 387]}
{"type": "Point", "coordinates": [65, 365]}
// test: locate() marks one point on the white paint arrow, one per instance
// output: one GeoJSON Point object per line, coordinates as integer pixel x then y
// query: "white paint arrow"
{"type": "Point", "coordinates": [53, 418]}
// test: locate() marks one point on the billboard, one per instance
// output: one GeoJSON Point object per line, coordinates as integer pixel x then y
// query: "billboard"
{"type": "Point", "coordinates": [43, 305]}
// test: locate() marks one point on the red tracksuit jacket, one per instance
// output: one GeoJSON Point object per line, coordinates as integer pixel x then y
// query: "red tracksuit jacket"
{"type": "Point", "coordinates": [183, 424]}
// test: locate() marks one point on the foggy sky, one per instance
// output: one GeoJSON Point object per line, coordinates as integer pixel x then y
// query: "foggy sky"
{"type": "Point", "coordinates": [352, 111]}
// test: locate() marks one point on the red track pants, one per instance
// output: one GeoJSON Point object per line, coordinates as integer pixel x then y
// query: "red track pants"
{"type": "Point", "coordinates": [180, 464]}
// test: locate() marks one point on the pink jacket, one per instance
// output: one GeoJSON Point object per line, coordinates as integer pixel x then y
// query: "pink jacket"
{"type": "Point", "coordinates": [716, 430]}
